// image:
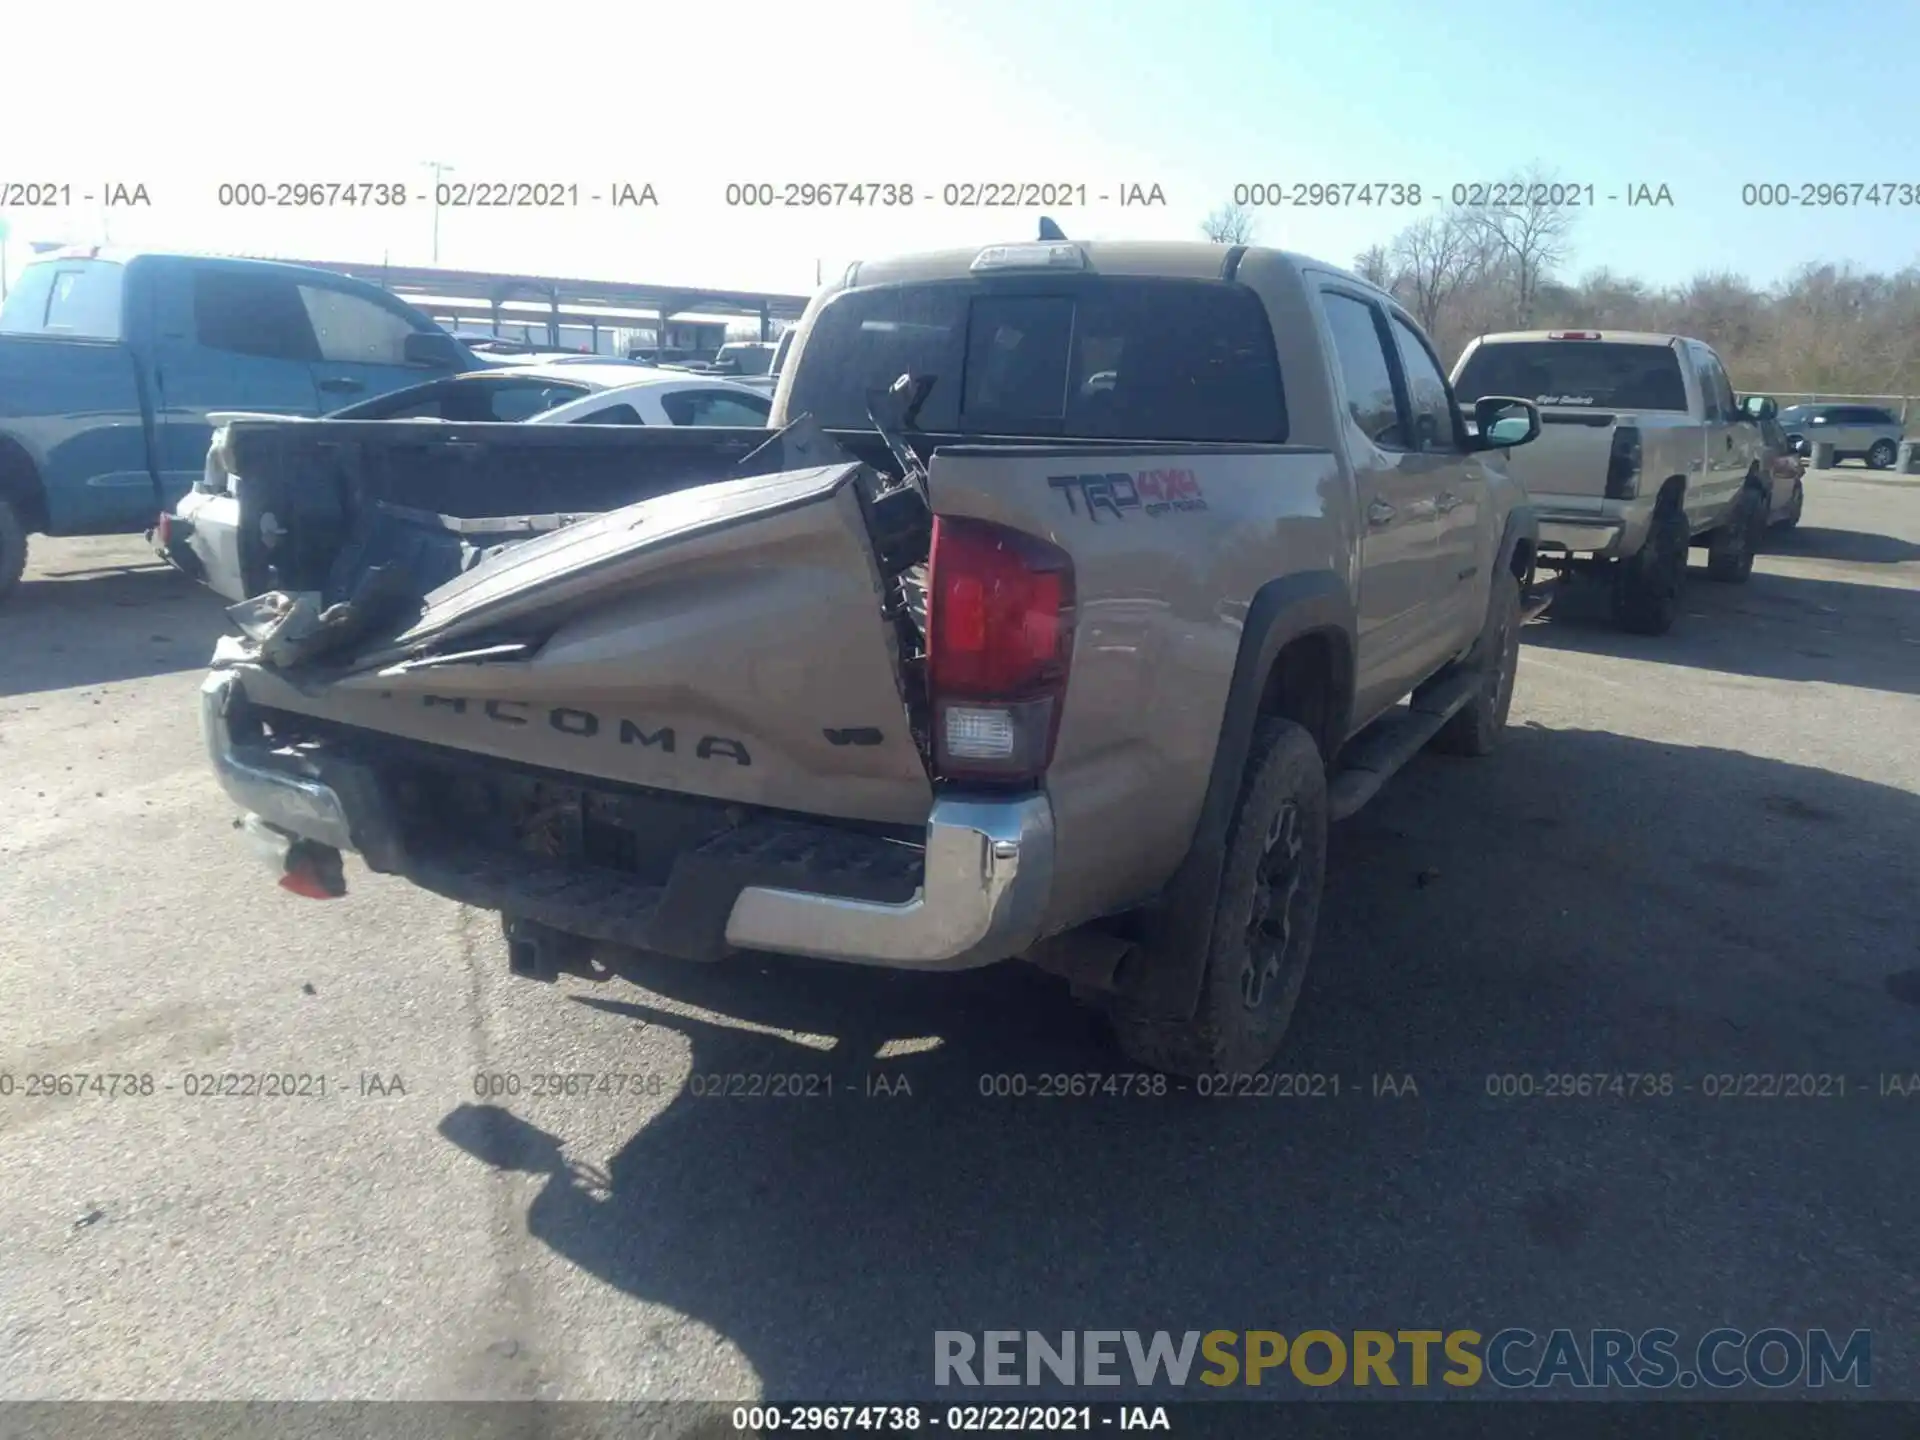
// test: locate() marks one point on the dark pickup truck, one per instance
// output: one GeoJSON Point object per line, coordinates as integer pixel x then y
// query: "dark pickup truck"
{"type": "Point", "coordinates": [110, 363]}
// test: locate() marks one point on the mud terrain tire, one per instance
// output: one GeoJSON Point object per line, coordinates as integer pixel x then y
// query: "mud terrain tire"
{"type": "Point", "coordinates": [1262, 925]}
{"type": "Point", "coordinates": [1475, 727]}
{"type": "Point", "coordinates": [1646, 589]}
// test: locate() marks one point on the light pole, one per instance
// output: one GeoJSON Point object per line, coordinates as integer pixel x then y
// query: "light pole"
{"type": "Point", "coordinates": [438, 170]}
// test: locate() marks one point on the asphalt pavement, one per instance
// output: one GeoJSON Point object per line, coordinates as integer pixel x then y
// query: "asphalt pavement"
{"type": "Point", "coordinates": [1692, 856]}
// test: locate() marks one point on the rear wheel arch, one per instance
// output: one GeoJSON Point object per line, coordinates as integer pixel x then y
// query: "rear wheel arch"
{"type": "Point", "coordinates": [1520, 560]}
{"type": "Point", "coordinates": [1295, 662]}
{"type": "Point", "coordinates": [1519, 543]}
{"type": "Point", "coordinates": [20, 485]}
{"type": "Point", "coordinates": [1310, 682]}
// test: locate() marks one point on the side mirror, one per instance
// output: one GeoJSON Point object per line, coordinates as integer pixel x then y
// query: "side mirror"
{"type": "Point", "coordinates": [434, 350]}
{"type": "Point", "coordinates": [1497, 427]}
{"type": "Point", "coordinates": [1760, 407]}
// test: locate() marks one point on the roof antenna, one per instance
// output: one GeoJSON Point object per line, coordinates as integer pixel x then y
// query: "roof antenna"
{"type": "Point", "coordinates": [1050, 231]}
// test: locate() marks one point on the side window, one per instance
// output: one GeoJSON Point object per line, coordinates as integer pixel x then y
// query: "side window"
{"type": "Point", "coordinates": [1364, 373]}
{"type": "Point", "coordinates": [426, 405]}
{"type": "Point", "coordinates": [612, 415]}
{"type": "Point", "coordinates": [352, 329]}
{"type": "Point", "coordinates": [1433, 416]}
{"type": "Point", "coordinates": [1723, 388]}
{"type": "Point", "coordinates": [251, 314]}
{"type": "Point", "coordinates": [715, 407]}
{"type": "Point", "coordinates": [514, 403]}
{"type": "Point", "coordinates": [1715, 396]}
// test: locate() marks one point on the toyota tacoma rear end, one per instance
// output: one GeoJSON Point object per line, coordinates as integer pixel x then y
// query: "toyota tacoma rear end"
{"type": "Point", "coordinates": [1073, 593]}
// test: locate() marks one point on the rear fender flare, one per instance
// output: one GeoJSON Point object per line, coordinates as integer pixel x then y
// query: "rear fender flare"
{"type": "Point", "coordinates": [21, 485]}
{"type": "Point", "coordinates": [1283, 610]}
{"type": "Point", "coordinates": [1522, 527]}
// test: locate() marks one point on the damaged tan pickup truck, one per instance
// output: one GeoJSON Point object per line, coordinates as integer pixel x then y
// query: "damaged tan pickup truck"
{"type": "Point", "coordinates": [1072, 592]}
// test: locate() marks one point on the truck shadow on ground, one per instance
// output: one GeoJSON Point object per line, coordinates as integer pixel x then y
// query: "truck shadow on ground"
{"type": "Point", "coordinates": [1853, 546]}
{"type": "Point", "coordinates": [1776, 626]}
{"type": "Point", "coordinates": [1581, 901]}
{"type": "Point", "coordinates": [84, 625]}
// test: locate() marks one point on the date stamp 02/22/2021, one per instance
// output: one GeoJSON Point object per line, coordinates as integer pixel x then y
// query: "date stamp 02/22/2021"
{"type": "Point", "coordinates": [881, 1081]}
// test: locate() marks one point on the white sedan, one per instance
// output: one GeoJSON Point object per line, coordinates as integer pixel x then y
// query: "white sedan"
{"type": "Point", "coordinates": [200, 535]}
{"type": "Point", "coordinates": [665, 397]}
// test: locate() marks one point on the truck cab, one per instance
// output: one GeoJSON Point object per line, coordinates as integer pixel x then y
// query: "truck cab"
{"type": "Point", "coordinates": [110, 363]}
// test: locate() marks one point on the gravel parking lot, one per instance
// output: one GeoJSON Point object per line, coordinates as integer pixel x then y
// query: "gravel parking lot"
{"type": "Point", "coordinates": [1693, 856]}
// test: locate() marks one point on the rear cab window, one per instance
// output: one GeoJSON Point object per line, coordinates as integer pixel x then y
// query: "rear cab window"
{"type": "Point", "coordinates": [1584, 374]}
{"type": "Point", "coordinates": [1094, 357]}
{"type": "Point", "coordinates": [78, 298]}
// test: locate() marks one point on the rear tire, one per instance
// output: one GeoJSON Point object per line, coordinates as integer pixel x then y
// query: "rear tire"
{"type": "Point", "coordinates": [13, 547]}
{"type": "Point", "coordinates": [1647, 586]}
{"type": "Point", "coordinates": [1880, 457]}
{"type": "Point", "coordinates": [1261, 929]}
{"type": "Point", "coordinates": [1732, 547]}
{"type": "Point", "coordinates": [1475, 727]}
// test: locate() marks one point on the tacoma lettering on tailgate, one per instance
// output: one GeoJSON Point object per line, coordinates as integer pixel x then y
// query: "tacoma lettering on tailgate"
{"type": "Point", "coordinates": [584, 724]}
{"type": "Point", "coordinates": [1151, 492]}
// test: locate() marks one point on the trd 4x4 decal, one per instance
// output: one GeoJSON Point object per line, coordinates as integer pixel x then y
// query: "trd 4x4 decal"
{"type": "Point", "coordinates": [1150, 492]}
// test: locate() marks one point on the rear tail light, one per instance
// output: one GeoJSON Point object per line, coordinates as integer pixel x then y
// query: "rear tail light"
{"type": "Point", "coordinates": [1000, 620]}
{"type": "Point", "coordinates": [1573, 335]}
{"type": "Point", "coordinates": [1623, 465]}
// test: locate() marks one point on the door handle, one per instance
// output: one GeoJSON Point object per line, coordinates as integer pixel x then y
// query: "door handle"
{"type": "Point", "coordinates": [342, 385]}
{"type": "Point", "coordinates": [1380, 513]}
{"type": "Point", "coordinates": [1448, 501]}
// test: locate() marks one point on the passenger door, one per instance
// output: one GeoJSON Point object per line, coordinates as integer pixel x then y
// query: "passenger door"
{"type": "Point", "coordinates": [362, 345]}
{"type": "Point", "coordinates": [1462, 499]}
{"type": "Point", "coordinates": [1397, 490]}
{"type": "Point", "coordinates": [226, 338]}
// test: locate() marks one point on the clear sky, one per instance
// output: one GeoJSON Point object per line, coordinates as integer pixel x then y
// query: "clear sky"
{"type": "Point", "coordinates": [1701, 96]}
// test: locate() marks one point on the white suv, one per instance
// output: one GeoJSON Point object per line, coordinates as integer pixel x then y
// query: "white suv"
{"type": "Point", "coordinates": [1856, 432]}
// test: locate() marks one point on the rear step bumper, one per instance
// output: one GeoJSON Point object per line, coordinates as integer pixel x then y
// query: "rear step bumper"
{"type": "Point", "coordinates": [983, 883]}
{"type": "Point", "coordinates": [988, 870]}
{"type": "Point", "coordinates": [1594, 536]}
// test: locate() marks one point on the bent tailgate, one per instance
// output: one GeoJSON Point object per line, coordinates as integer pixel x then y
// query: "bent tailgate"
{"type": "Point", "coordinates": [724, 641]}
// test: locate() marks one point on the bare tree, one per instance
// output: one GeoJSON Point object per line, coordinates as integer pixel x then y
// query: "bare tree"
{"type": "Point", "coordinates": [1230, 225]}
{"type": "Point", "coordinates": [1828, 330]}
{"type": "Point", "coordinates": [1373, 266]}
{"type": "Point", "coordinates": [1434, 258]}
{"type": "Point", "coordinates": [1532, 235]}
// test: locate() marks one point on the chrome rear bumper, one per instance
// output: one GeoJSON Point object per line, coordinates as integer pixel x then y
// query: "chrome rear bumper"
{"type": "Point", "coordinates": [988, 865]}
{"type": "Point", "coordinates": [272, 784]}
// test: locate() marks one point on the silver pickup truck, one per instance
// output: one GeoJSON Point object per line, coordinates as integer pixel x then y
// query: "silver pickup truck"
{"type": "Point", "coordinates": [1643, 453]}
{"type": "Point", "coordinates": [1081, 587]}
